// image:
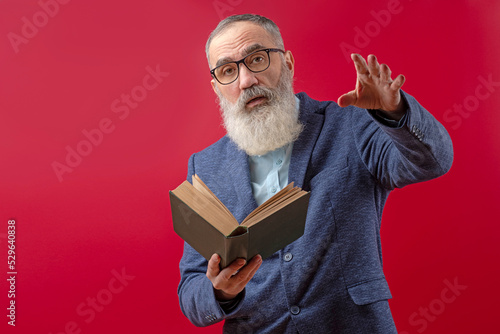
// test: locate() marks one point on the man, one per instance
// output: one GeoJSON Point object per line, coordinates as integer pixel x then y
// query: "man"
{"type": "Point", "coordinates": [330, 280]}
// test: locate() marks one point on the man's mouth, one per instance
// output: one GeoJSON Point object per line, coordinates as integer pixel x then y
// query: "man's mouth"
{"type": "Point", "coordinates": [256, 101]}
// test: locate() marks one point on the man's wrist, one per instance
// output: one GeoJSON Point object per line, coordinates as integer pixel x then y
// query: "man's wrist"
{"type": "Point", "coordinates": [396, 114]}
{"type": "Point", "coordinates": [221, 296]}
{"type": "Point", "coordinates": [229, 305]}
{"type": "Point", "coordinates": [393, 116]}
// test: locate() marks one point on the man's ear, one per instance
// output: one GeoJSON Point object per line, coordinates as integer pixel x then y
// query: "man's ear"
{"type": "Point", "coordinates": [289, 60]}
{"type": "Point", "coordinates": [212, 82]}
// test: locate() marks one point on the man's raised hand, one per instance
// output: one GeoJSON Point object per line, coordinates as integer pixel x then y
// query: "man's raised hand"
{"type": "Point", "coordinates": [375, 89]}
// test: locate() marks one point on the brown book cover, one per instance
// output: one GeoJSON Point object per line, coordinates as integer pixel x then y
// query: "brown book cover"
{"type": "Point", "coordinates": [201, 219]}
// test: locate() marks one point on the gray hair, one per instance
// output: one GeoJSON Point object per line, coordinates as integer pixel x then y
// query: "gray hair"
{"type": "Point", "coordinates": [262, 21]}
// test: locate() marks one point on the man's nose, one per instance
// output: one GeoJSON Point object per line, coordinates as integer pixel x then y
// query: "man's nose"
{"type": "Point", "coordinates": [247, 77]}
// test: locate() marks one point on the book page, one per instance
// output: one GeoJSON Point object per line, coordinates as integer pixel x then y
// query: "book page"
{"type": "Point", "coordinates": [199, 185]}
{"type": "Point", "coordinates": [286, 196]}
{"type": "Point", "coordinates": [275, 208]}
{"type": "Point", "coordinates": [211, 212]}
{"type": "Point", "coordinates": [270, 201]}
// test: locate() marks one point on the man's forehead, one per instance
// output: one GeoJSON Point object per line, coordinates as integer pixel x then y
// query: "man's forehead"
{"type": "Point", "coordinates": [246, 51]}
{"type": "Point", "coordinates": [237, 41]}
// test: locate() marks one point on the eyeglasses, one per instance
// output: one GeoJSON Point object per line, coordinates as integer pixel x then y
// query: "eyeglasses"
{"type": "Point", "coordinates": [256, 62]}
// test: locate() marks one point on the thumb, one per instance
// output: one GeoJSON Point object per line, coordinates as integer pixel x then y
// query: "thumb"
{"type": "Point", "coordinates": [213, 266]}
{"type": "Point", "coordinates": [347, 99]}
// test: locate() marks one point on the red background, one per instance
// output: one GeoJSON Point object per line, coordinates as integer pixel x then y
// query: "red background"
{"type": "Point", "coordinates": [112, 211]}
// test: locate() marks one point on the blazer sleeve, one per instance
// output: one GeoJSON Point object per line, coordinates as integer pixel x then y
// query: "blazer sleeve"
{"type": "Point", "coordinates": [417, 150]}
{"type": "Point", "coordinates": [196, 295]}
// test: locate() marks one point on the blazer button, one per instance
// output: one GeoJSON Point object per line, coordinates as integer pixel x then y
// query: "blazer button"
{"type": "Point", "coordinates": [288, 257]}
{"type": "Point", "coordinates": [295, 310]}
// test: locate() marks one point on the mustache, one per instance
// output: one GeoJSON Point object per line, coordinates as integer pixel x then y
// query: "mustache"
{"type": "Point", "coordinates": [253, 92]}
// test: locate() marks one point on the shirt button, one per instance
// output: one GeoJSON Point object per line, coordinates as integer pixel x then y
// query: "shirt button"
{"type": "Point", "coordinates": [279, 162]}
{"type": "Point", "coordinates": [295, 310]}
{"type": "Point", "coordinates": [288, 257]}
{"type": "Point", "coordinates": [273, 190]}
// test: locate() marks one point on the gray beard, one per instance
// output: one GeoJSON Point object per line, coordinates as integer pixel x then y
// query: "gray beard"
{"type": "Point", "coordinates": [268, 126]}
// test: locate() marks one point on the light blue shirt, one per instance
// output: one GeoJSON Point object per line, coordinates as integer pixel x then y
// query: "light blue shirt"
{"type": "Point", "coordinates": [269, 172]}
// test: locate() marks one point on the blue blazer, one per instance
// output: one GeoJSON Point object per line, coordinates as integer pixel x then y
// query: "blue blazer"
{"type": "Point", "coordinates": [330, 280]}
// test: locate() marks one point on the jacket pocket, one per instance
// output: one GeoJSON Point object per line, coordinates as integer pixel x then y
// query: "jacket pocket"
{"type": "Point", "coordinates": [370, 292]}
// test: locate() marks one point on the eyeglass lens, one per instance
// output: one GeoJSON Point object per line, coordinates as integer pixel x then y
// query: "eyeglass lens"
{"type": "Point", "coordinates": [255, 62]}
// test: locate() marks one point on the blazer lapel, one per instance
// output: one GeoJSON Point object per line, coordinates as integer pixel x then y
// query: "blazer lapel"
{"type": "Point", "coordinates": [304, 145]}
{"type": "Point", "coordinates": [237, 175]}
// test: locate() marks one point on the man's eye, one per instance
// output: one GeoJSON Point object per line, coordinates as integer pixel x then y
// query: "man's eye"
{"type": "Point", "coordinates": [257, 59]}
{"type": "Point", "coordinates": [227, 71]}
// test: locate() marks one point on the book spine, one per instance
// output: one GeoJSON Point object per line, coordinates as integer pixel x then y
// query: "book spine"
{"type": "Point", "coordinates": [236, 246]}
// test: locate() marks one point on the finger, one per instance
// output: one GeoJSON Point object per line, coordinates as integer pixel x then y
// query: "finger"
{"type": "Point", "coordinates": [398, 82]}
{"type": "Point", "coordinates": [385, 73]}
{"type": "Point", "coordinates": [251, 268]}
{"type": "Point", "coordinates": [347, 99]}
{"type": "Point", "coordinates": [241, 279]}
{"type": "Point", "coordinates": [258, 262]}
{"type": "Point", "coordinates": [360, 64]}
{"type": "Point", "coordinates": [232, 269]}
{"type": "Point", "coordinates": [373, 65]}
{"type": "Point", "coordinates": [213, 267]}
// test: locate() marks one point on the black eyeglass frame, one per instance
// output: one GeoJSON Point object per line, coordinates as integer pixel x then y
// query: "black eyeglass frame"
{"type": "Point", "coordinates": [238, 62]}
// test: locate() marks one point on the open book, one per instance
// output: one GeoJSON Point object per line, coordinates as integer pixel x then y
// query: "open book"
{"type": "Point", "coordinates": [201, 219]}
